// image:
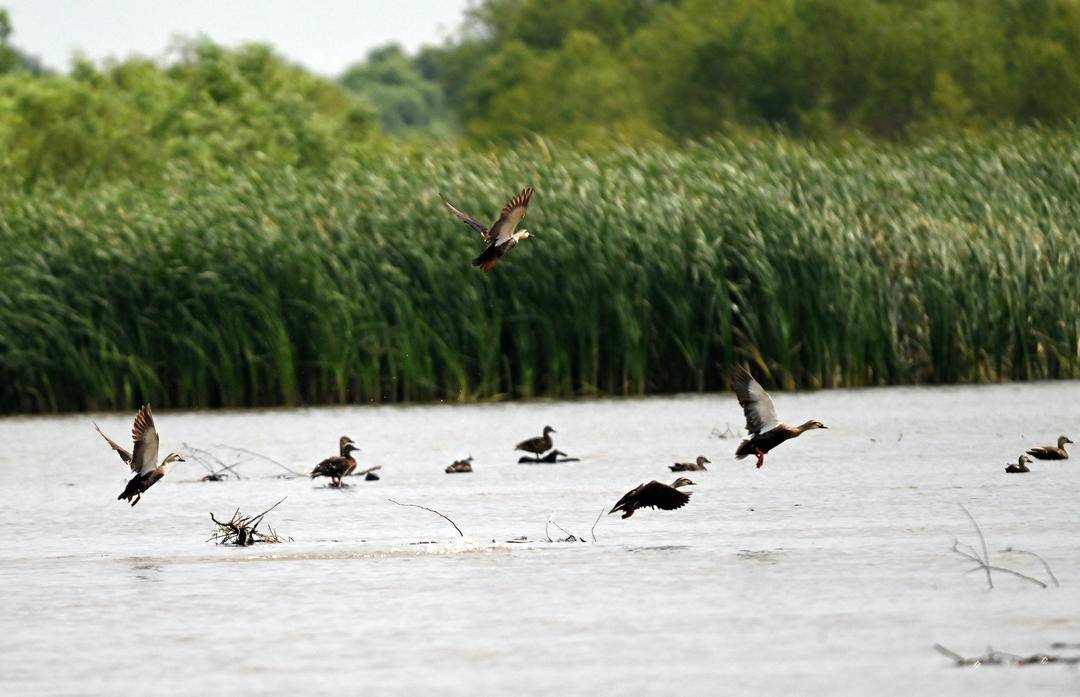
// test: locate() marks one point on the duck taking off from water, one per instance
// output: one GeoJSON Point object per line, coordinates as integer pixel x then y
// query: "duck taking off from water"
{"type": "Point", "coordinates": [696, 466]}
{"type": "Point", "coordinates": [1049, 452]}
{"type": "Point", "coordinates": [766, 431]}
{"type": "Point", "coordinates": [338, 466]}
{"type": "Point", "coordinates": [143, 456]}
{"type": "Point", "coordinates": [540, 444]}
{"type": "Point", "coordinates": [653, 495]}
{"type": "Point", "coordinates": [1020, 466]}
{"type": "Point", "coordinates": [503, 235]}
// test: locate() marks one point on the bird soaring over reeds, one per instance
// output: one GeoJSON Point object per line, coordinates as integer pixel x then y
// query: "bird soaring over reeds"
{"type": "Point", "coordinates": [503, 235]}
{"type": "Point", "coordinates": [654, 495]}
{"type": "Point", "coordinates": [143, 456]}
{"type": "Point", "coordinates": [765, 429]}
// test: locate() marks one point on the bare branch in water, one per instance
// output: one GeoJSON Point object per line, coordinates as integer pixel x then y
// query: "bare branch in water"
{"type": "Point", "coordinates": [243, 531]}
{"type": "Point", "coordinates": [982, 561]}
{"type": "Point", "coordinates": [592, 530]}
{"type": "Point", "coordinates": [1049, 572]}
{"type": "Point", "coordinates": [261, 457]}
{"type": "Point", "coordinates": [997, 658]}
{"type": "Point", "coordinates": [430, 510]}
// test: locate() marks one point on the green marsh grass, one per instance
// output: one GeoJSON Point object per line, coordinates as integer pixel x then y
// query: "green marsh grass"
{"type": "Point", "coordinates": [653, 270]}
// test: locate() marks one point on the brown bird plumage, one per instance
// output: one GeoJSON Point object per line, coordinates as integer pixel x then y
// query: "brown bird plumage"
{"type": "Point", "coordinates": [460, 466]}
{"type": "Point", "coordinates": [1049, 452]}
{"type": "Point", "coordinates": [765, 429]}
{"type": "Point", "coordinates": [549, 459]}
{"type": "Point", "coordinates": [503, 235]}
{"type": "Point", "coordinates": [696, 466]}
{"type": "Point", "coordinates": [653, 495]}
{"type": "Point", "coordinates": [339, 466]}
{"type": "Point", "coordinates": [540, 444]}
{"type": "Point", "coordinates": [1020, 466]}
{"type": "Point", "coordinates": [143, 456]}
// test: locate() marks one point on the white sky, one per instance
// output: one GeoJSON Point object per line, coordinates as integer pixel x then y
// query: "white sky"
{"type": "Point", "coordinates": [324, 35]}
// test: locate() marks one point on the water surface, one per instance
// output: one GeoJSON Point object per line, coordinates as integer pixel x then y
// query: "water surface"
{"type": "Point", "coordinates": [829, 571]}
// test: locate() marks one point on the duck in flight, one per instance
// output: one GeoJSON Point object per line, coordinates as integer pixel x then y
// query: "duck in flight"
{"type": "Point", "coordinates": [696, 466]}
{"type": "Point", "coordinates": [539, 444]}
{"type": "Point", "coordinates": [765, 430]}
{"type": "Point", "coordinates": [654, 495]}
{"type": "Point", "coordinates": [339, 466]}
{"type": "Point", "coordinates": [1049, 452]}
{"type": "Point", "coordinates": [503, 235]}
{"type": "Point", "coordinates": [143, 456]}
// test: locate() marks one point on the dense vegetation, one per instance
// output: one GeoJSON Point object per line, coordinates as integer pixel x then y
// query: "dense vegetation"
{"type": "Point", "coordinates": [228, 229]}
{"type": "Point", "coordinates": [653, 270]}
{"type": "Point", "coordinates": [627, 70]}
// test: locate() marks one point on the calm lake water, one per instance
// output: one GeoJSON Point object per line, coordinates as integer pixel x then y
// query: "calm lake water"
{"type": "Point", "coordinates": [828, 571]}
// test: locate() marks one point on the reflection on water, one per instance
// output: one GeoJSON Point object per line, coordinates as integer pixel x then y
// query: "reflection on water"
{"type": "Point", "coordinates": [850, 530]}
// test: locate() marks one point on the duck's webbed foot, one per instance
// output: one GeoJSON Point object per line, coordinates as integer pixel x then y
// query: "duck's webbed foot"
{"type": "Point", "coordinates": [760, 457]}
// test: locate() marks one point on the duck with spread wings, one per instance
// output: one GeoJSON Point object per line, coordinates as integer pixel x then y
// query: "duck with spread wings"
{"type": "Point", "coordinates": [503, 235]}
{"type": "Point", "coordinates": [765, 429]}
{"type": "Point", "coordinates": [143, 456]}
{"type": "Point", "coordinates": [654, 495]}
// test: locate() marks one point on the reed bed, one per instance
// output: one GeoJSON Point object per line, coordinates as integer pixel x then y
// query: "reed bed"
{"type": "Point", "coordinates": [653, 270]}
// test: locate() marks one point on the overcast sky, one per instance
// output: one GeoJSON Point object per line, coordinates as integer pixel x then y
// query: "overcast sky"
{"type": "Point", "coordinates": [324, 35]}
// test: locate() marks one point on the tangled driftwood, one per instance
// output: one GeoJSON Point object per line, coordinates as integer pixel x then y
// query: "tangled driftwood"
{"type": "Point", "coordinates": [999, 658]}
{"type": "Point", "coordinates": [982, 561]}
{"type": "Point", "coordinates": [243, 531]}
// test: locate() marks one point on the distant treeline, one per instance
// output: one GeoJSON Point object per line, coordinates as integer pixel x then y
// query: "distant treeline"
{"type": "Point", "coordinates": [587, 71]}
{"type": "Point", "coordinates": [653, 269]}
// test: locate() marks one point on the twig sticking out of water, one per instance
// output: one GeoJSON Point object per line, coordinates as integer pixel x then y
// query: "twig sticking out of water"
{"type": "Point", "coordinates": [982, 561]}
{"type": "Point", "coordinates": [1049, 572]}
{"type": "Point", "coordinates": [430, 510]}
{"type": "Point", "coordinates": [208, 460]}
{"type": "Point", "coordinates": [243, 531]}
{"type": "Point", "coordinates": [570, 537]}
{"type": "Point", "coordinates": [361, 473]}
{"type": "Point", "coordinates": [997, 658]}
{"type": "Point", "coordinates": [261, 457]}
{"type": "Point", "coordinates": [592, 530]}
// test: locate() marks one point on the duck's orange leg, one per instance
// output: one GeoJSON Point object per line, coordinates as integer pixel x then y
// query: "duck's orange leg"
{"type": "Point", "coordinates": [760, 457]}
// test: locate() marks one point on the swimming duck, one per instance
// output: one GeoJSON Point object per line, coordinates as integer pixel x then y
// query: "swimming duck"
{"type": "Point", "coordinates": [766, 431]}
{"type": "Point", "coordinates": [1049, 452]}
{"type": "Point", "coordinates": [501, 237]}
{"type": "Point", "coordinates": [1020, 466]}
{"type": "Point", "coordinates": [540, 444]}
{"type": "Point", "coordinates": [653, 495]}
{"type": "Point", "coordinates": [698, 465]}
{"type": "Point", "coordinates": [144, 453]}
{"type": "Point", "coordinates": [551, 458]}
{"type": "Point", "coordinates": [338, 466]}
{"type": "Point", "coordinates": [460, 466]}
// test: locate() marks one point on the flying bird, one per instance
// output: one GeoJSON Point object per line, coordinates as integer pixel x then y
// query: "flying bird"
{"type": "Point", "coordinates": [503, 235]}
{"type": "Point", "coordinates": [654, 495]}
{"type": "Point", "coordinates": [338, 466]}
{"type": "Point", "coordinates": [696, 466]}
{"type": "Point", "coordinates": [1049, 452]}
{"type": "Point", "coordinates": [539, 444]}
{"type": "Point", "coordinates": [143, 456]}
{"type": "Point", "coordinates": [766, 431]}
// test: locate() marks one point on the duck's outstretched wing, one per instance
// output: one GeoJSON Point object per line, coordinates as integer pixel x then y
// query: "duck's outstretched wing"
{"type": "Point", "coordinates": [755, 401]}
{"type": "Point", "coordinates": [511, 215]}
{"type": "Point", "coordinates": [467, 219]}
{"type": "Point", "coordinates": [662, 496]}
{"type": "Point", "coordinates": [145, 436]}
{"type": "Point", "coordinates": [628, 499]}
{"type": "Point", "coordinates": [124, 454]}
